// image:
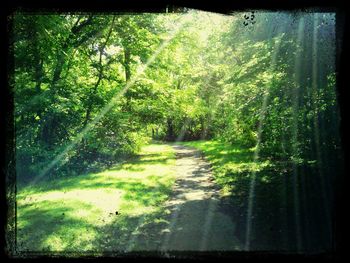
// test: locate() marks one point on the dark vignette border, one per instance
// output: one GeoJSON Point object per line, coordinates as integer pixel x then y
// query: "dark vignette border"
{"type": "Point", "coordinates": [8, 239]}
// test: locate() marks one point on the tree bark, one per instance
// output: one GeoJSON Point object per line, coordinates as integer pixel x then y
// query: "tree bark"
{"type": "Point", "coordinates": [39, 73]}
{"type": "Point", "coordinates": [100, 76]}
{"type": "Point", "coordinates": [170, 130]}
{"type": "Point", "coordinates": [127, 56]}
{"type": "Point", "coordinates": [72, 41]}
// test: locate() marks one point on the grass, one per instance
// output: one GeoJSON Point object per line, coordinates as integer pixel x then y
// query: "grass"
{"type": "Point", "coordinates": [273, 218]}
{"type": "Point", "coordinates": [232, 164]}
{"type": "Point", "coordinates": [78, 214]}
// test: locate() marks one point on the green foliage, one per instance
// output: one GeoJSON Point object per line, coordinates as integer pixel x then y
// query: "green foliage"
{"type": "Point", "coordinates": [78, 214]}
{"type": "Point", "coordinates": [254, 85]}
{"type": "Point", "coordinates": [91, 90]}
{"type": "Point", "coordinates": [233, 165]}
{"type": "Point", "coordinates": [66, 71]}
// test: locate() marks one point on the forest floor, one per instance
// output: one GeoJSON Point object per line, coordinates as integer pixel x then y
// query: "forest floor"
{"type": "Point", "coordinates": [162, 200]}
{"type": "Point", "coordinates": [192, 217]}
{"type": "Point", "coordinates": [186, 196]}
{"type": "Point", "coordinates": [97, 212]}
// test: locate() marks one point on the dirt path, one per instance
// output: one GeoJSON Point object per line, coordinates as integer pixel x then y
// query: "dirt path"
{"type": "Point", "coordinates": [196, 224]}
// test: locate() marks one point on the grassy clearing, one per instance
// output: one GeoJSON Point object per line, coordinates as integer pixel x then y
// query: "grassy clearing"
{"type": "Point", "coordinates": [78, 214]}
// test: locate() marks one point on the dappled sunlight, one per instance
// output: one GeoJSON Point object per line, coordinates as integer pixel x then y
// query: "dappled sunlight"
{"type": "Point", "coordinates": [61, 157]}
{"type": "Point", "coordinates": [104, 199]}
{"type": "Point", "coordinates": [139, 168]}
{"type": "Point", "coordinates": [194, 195]}
{"type": "Point", "coordinates": [233, 172]}
{"type": "Point", "coordinates": [51, 225]}
{"type": "Point", "coordinates": [109, 110]}
{"type": "Point", "coordinates": [230, 159]}
{"type": "Point", "coordinates": [75, 212]}
{"type": "Point", "coordinates": [71, 237]}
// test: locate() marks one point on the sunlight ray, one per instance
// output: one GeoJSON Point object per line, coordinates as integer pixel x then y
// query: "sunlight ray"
{"type": "Point", "coordinates": [204, 132]}
{"type": "Point", "coordinates": [296, 92]}
{"type": "Point", "coordinates": [315, 91]}
{"type": "Point", "coordinates": [179, 26]}
{"type": "Point", "coordinates": [252, 185]}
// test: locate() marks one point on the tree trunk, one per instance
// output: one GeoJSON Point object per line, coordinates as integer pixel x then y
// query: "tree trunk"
{"type": "Point", "coordinates": [170, 130]}
{"type": "Point", "coordinates": [39, 73]}
{"type": "Point", "coordinates": [127, 63]}
{"type": "Point", "coordinates": [100, 76]}
{"type": "Point", "coordinates": [90, 105]}
{"type": "Point", "coordinates": [74, 41]}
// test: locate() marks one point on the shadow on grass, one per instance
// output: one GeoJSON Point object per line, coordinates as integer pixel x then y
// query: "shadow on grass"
{"type": "Point", "coordinates": [275, 218]}
{"type": "Point", "coordinates": [76, 213]}
{"type": "Point", "coordinates": [49, 226]}
{"type": "Point", "coordinates": [274, 226]}
{"type": "Point", "coordinates": [137, 163]}
{"type": "Point", "coordinates": [50, 231]}
{"type": "Point", "coordinates": [81, 167]}
{"type": "Point", "coordinates": [49, 220]}
{"type": "Point", "coordinates": [171, 230]}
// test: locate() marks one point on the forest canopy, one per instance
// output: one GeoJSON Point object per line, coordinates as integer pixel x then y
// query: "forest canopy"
{"type": "Point", "coordinates": [90, 89]}
{"type": "Point", "coordinates": [103, 104]}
